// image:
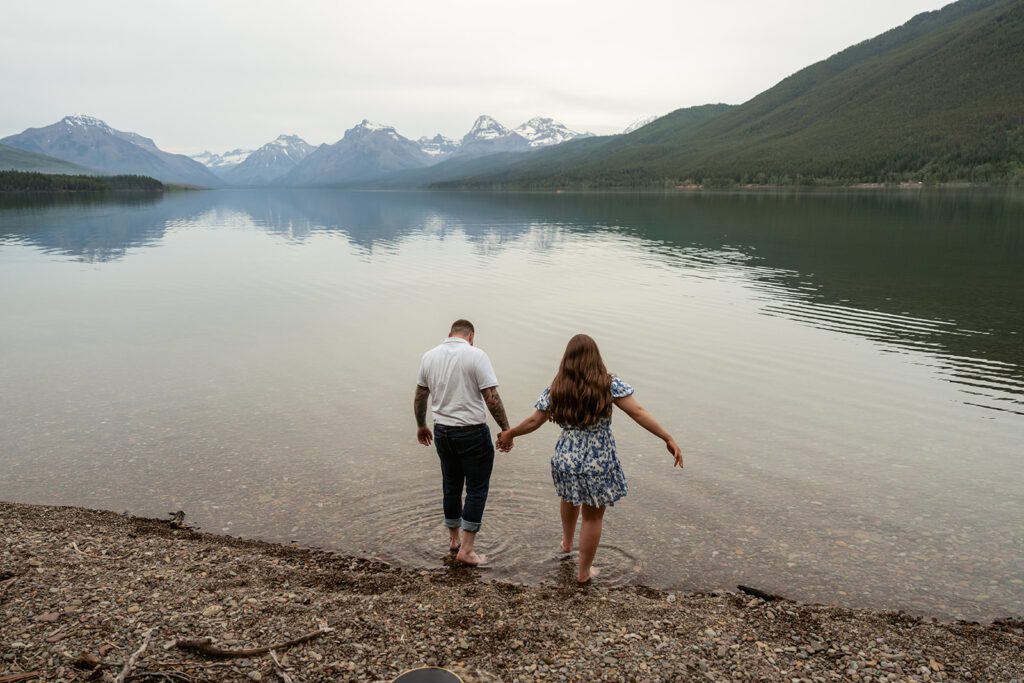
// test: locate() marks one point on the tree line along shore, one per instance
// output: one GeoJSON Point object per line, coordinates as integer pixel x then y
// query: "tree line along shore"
{"type": "Point", "coordinates": [31, 181]}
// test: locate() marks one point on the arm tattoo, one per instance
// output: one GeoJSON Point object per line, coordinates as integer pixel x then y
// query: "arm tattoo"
{"type": "Point", "coordinates": [496, 407]}
{"type": "Point", "coordinates": [420, 406]}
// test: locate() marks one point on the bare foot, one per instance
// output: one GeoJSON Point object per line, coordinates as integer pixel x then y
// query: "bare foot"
{"type": "Point", "coordinates": [565, 548]}
{"type": "Point", "coordinates": [471, 558]}
{"type": "Point", "coordinates": [454, 547]}
{"type": "Point", "coordinates": [594, 571]}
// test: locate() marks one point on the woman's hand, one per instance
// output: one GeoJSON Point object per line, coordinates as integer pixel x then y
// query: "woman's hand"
{"type": "Point", "coordinates": [677, 453]}
{"type": "Point", "coordinates": [505, 440]}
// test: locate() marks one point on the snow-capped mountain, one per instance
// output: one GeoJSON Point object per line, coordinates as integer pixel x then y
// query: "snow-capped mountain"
{"type": "Point", "coordinates": [271, 161]}
{"type": "Point", "coordinates": [640, 123]}
{"type": "Point", "coordinates": [222, 163]}
{"type": "Point", "coordinates": [544, 132]}
{"type": "Point", "coordinates": [439, 147]}
{"type": "Point", "coordinates": [88, 141]}
{"type": "Point", "coordinates": [486, 128]}
{"type": "Point", "coordinates": [366, 151]}
{"type": "Point", "coordinates": [488, 136]}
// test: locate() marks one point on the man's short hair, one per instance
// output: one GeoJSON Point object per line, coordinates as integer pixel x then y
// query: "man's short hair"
{"type": "Point", "coordinates": [461, 326]}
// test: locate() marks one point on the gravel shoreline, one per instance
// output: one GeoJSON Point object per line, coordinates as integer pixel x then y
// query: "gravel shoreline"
{"type": "Point", "coordinates": [81, 589]}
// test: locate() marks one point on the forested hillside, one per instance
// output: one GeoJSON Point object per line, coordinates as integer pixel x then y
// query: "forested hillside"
{"type": "Point", "coordinates": [938, 99]}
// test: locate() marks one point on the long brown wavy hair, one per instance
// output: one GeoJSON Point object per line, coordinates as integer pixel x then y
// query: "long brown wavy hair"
{"type": "Point", "coordinates": [581, 392]}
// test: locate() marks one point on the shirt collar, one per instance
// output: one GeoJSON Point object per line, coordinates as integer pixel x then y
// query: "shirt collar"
{"type": "Point", "coordinates": [456, 339]}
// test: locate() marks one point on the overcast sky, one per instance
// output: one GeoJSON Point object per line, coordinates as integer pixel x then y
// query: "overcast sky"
{"type": "Point", "coordinates": [220, 74]}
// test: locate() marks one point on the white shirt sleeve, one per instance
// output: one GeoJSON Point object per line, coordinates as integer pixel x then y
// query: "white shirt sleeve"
{"type": "Point", "coordinates": [421, 378]}
{"type": "Point", "coordinates": [485, 376]}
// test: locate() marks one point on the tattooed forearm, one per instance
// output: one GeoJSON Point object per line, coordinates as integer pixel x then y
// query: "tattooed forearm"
{"type": "Point", "coordinates": [420, 406]}
{"type": "Point", "coordinates": [497, 408]}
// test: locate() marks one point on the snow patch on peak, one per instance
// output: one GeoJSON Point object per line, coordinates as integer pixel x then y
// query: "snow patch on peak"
{"type": "Point", "coordinates": [640, 123]}
{"type": "Point", "coordinates": [86, 120]}
{"type": "Point", "coordinates": [542, 132]}
{"type": "Point", "coordinates": [438, 139]}
{"type": "Point", "coordinates": [287, 141]}
{"type": "Point", "coordinates": [222, 161]}
{"type": "Point", "coordinates": [438, 146]}
{"type": "Point", "coordinates": [486, 128]}
{"type": "Point", "coordinates": [366, 124]}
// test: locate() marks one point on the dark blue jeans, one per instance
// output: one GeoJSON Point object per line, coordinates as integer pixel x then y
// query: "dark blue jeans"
{"type": "Point", "coordinates": [467, 458]}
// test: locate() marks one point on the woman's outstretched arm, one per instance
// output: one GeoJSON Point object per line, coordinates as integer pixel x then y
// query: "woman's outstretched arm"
{"type": "Point", "coordinates": [629, 405]}
{"type": "Point", "coordinates": [530, 424]}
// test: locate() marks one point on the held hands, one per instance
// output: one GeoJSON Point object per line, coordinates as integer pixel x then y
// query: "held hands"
{"type": "Point", "coordinates": [424, 436]}
{"type": "Point", "coordinates": [676, 452]}
{"type": "Point", "coordinates": [504, 442]}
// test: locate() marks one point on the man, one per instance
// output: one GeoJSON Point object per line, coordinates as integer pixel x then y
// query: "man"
{"type": "Point", "coordinates": [458, 379]}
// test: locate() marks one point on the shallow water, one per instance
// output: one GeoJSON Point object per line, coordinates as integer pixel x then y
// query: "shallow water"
{"type": "Point", "coordinates": [844, 371]}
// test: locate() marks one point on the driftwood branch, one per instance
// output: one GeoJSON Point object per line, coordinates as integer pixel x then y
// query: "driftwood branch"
{"type": "Point", "coordinates": [170, 675]}
{"type": "Point", "coordinates": [760, 593]}
{"type": "Point", "coordinates": [130, 664]}
{"type": "Point", "coordinates": [205, 646]}
{"type": "Point", "coordinates": [279, 668]}
{"type": "Point", "coordinates": [14, 678]}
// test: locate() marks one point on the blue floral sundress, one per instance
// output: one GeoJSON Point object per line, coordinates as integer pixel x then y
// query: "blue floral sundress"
{"type": "Point", "coordinates": [585, 467]}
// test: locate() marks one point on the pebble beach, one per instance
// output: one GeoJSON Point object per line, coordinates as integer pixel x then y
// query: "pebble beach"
{"type": "Point", "coordinates": [101, 596]}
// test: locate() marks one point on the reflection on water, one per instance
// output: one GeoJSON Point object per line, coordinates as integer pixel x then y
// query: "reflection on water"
{"type": "Point", "coordinates": [845, 370]}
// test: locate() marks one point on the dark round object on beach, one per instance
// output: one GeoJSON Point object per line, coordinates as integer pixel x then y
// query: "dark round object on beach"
{"type": "Point", "coordinates": [428, 674]}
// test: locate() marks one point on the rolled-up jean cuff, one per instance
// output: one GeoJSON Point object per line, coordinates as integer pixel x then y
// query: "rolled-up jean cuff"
{"type": "Point", "coordinates": [470, 526]}
{"type": "Point", "coordinates": [453, 523]}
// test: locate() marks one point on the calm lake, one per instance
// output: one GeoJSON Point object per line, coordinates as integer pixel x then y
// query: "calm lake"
{"type": "Point", "coordinates": [844, 372]}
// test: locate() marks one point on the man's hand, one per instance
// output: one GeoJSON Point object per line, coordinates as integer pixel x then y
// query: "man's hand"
{"type": "Point", "coordinates": [505, 440]}
{"type": "Point", "coordinates": [424, 435]}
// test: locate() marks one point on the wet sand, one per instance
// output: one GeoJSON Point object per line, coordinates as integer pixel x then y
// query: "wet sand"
{"type": "Point", "coordinates": [81, 591]}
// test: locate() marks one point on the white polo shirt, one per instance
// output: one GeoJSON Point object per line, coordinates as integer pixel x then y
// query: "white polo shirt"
{"type": "Point", "coordinates": [456, 373]}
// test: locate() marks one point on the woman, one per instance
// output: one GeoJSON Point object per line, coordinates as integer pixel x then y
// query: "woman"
{"type": "Point", "coordinates": [585, 467]}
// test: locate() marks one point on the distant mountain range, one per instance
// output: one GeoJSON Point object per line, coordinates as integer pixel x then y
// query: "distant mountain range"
{"type": "Point", "coordinates": [270, 162]}
{"type": "Point", "coordinates": [366, 151]}
{"type": "Point", "coordinates": [89, 142]}
{"type": "Point", "coordinates": [370, 150]}
{"type": "Point", "coordinates": [222, 163]}
{"type": "Point", "coordinates": [938, 99]}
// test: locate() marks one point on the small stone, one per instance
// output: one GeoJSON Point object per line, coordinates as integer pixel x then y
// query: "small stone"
{"type": "Point", "coordinates": [48, 616]}
{"type": "Point", "coordinates": [134, 609]}
{"type": "Point", "coordinates": [710, 632]}
{"type": "Point", "coordinates": [212, 610]}
{"type": "Point", "coordinates": [255, 675]}
{"type": "Point", "coordinates": [86, 660]}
